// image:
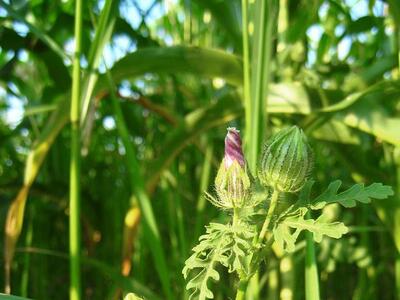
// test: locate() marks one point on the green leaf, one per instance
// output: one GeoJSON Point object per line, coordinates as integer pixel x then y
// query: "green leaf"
{"type": "Point", "coordinates": [291, 222]}
{"type": "Point", "coordinates": [350, 197]}
{"type": "Point", "coordinates": [286, 237]}
{"type": "Point", "coordinates": [225, 13]}
{"type": "Point", "coordinates": [201, 61]}
{"type": "Point", "coordinates": [36, 30]}
{"type": "Point", "coordinates": [194, 124]}
{"type": "Point", "coordinates": [200, 266]}
{"type": "Point", "coordinates": [238, 259]}
{"type": "Point", "coordinates": [318, 227]}
{"type": "Point", "coordinates": [101, 38]}
{"type": "Point", "coordinates": [228, 245]}
{"type": "Point", "coordinates": [374, 121]}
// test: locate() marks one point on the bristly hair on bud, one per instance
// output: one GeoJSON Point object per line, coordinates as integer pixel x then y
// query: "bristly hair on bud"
{"type": "Point", "coordinates": [232, 182]}
{"type": "Point", "coordinates": [286, 160]}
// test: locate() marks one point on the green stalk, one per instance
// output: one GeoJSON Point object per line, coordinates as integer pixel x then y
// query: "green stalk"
{"type": "Point", "coordinates": [27, 258]}
{"type": "Point", "coordinates": [246, 66]}
{"type": "Point", "coordinates": [204, 183]}
{"type": "Point", "coordinates": [103, 33]}
{"type": "Point", "coordinates": [241, 290]}
{"type": "Point", "coordinates": [151, 231]}
{"type": "Point", "coordinates": [268, 218]}
{"type": "Point", "coordinates": [311, 270]}
{"type": "Point", "coordinates": [396, 227]}
{"type": "Point", "coordinates": [270, 213]}
{"type": "Point", "coordinates": [395, 11]}
{"type": "Point", "coordinates": [74, 188]}
{"type": "Point", "coordinates": [261, 69]}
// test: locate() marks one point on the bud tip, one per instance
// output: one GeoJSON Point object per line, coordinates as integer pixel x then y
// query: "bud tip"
{"type": "Point", "coordinates": [233, 148]}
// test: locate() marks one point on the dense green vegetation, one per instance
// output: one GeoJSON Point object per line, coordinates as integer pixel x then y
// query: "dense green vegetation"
{"type": "Point", "coordinates": [106, 152]}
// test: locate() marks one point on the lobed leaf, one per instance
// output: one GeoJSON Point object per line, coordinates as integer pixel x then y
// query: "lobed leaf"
{"type": "Point", "coordinates": [227, 245]}
{"type": "Point", "coordinates": [286, 237]}
{"type": "Point", "coordinates": [350, 197]}
{"type": "Point", "coordinates": [200, 266]}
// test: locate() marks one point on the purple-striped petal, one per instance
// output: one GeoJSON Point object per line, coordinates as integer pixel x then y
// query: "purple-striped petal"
{"type": "Point", "coordinates": [233, 148]}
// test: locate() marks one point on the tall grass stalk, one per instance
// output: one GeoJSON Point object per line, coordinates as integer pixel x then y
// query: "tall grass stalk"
{"type": "Point", "coordinates": [138, 187]}
{"type": "Point", "coordinates": [27, 258]}
{"type": "Point", "coordinates": [255, 89]}
{"type": "Point", "coordinates": [396, 228]}
{"type": "Point", "coordinates": [395, 11]}
{"type": "Point", "coordinates": [246, 68]}
{"type": "Point", "coordinates": [265, 18]}
{"type": "Point", "coordinates": [74, 188]}
{"type": "Point", "coordinates": [204, 183]}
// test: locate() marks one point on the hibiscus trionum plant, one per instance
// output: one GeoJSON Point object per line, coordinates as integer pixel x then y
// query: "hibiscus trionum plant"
{"type": "Point", "coordinates": [256, 220]}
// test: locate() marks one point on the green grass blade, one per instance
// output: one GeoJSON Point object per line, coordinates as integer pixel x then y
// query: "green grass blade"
{"type": "Point", "coordinates": [187, 59]}
{"type": "Point", "coordinates": [266, 13]}
{"type": "Point", "coordinates": [101, 38]}
{"type": "Point", "coordinates": [204, 184]}
{"type": "Point", "coordinates": [193, 126]}
{"type": "Point", "coordinates": [225, 14]}
{"type": "Point", "coordinates": [246, 69]}
{"type": "Point", "coordinates": [37, 31]}
{"type": "Point", "coordinates": [109, 272]}
{"type": "Point", "coordinates": [151, 231]}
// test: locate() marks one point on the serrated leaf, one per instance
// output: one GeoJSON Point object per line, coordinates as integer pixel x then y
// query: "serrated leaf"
{"type": "Point", "coordinates": [318, 227]}
{"type": "Point", "coordinates": [200, 266]}
{"type": "Point", "coordinates": [222, 244]}
{"type": "Point", "coordinates": [288, 230]}
{"type": "Point", "coordinates": [238, 259]}
{"type": "Point", "coordinates": [285, 238]}
{"type": "Point", "coordinates": [350, 197]}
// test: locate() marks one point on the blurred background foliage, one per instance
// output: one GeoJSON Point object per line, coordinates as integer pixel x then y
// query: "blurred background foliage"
{"type": "Point", "coordinates": [161, 82]}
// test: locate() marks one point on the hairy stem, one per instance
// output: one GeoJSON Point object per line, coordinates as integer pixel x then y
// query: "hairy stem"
{"type": "Point", "coordinates": [235, 218]}
{"type": "Point", "coordinates": [270, 213]}
{"type": "Point", "coordinates": [274, 200]}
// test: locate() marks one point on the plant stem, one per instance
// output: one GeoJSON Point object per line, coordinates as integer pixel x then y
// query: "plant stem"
{"type": "Point", "coordinates": [74, 188]}
{"type": "Point", "coordinates": [241, 291]}
{"type": "Point", "coordinates": [263, 45]}
{"type": "Point", "coordinates": [311, 270]}
{"type": "Point", "coordinates": [235, 218]}
{"type": "Point", "coordinates": [270, 213]}
{"type": "Point", "coordinates": [246, 66]}
{"type": "Point", "coordinates": [274, 200]}
{"type": "Point", "coordinates": [137, 182]}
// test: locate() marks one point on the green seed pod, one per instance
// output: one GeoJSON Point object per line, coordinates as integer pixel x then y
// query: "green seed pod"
{"type": "Point", "coordinates": [286, 160]}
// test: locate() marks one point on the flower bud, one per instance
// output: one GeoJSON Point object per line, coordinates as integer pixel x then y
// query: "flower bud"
{"type": "Point", "coordinates": [286, 161]}
{"type": "Point", "coordinates": [232, 183]}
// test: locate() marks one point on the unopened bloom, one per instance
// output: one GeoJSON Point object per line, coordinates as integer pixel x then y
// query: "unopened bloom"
{"type": "Point", "coordinates": [286, 160]}
{"type": "Point", "coordinates": [232, 183]}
